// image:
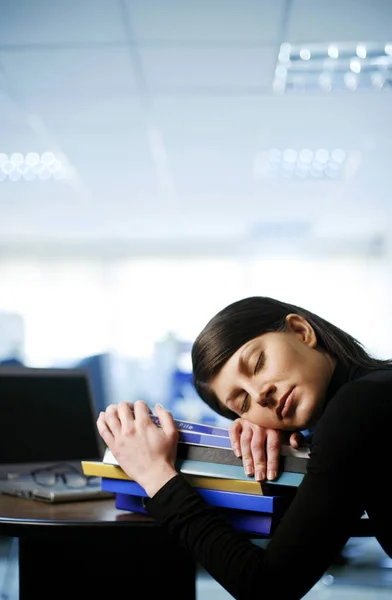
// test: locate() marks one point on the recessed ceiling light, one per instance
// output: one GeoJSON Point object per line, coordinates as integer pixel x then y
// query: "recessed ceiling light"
{"type": "Point", "coordinates": [31, 166]}
{"type": "Point", "coordinates": [333, 52]}
{"type": "Point", "coordinates": [304, 163]}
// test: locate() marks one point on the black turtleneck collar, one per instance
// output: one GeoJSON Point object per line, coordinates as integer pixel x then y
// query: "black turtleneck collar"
{"type": "Point", "coordinates": [341, 374]}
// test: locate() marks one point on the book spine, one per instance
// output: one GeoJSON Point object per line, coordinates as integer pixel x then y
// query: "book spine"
{"type": "Point", "coordinates": [195, 427]}
{"type": "Point", "coordinates": [238, 501]}
{"type": "Point", "coordinates": [292, 464]}
{"type": "Point", "coordinates": [194, 467]}
{"type": "Point", "coordinates": [228, 485]}
{"type": "Point", "coordinates": [208, 454]}
{"type": "Point", "coordinates": [219, 470]}
{"type": "Point", "coordinates": [296, 464]}
{"type": "Point", "coordinates": [100, 469]}
{"type": "Point", "coordinates": [131, 503]}
{"type": "Point", "coordinates": [253, 523]}
{"type": "Point", "coordinates": [123, 486]}
{"type": "Point", "coordinates": [226, 456]}
{"type": "Point", "coordinates": [224, 499]}
{"type": "Point", "coordinates": [204, 439]}
{"type": "Point", "coordinates": [186, 437]}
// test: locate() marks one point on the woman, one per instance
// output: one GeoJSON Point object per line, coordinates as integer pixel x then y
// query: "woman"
{"type": "Point", "coordinates": [269, 364]}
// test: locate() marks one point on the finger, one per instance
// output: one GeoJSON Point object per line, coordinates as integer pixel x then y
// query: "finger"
{"type": "Point", "coordinates": [246, 452]}
{"type": "Point", "coordinates": [141, 410]}
{"type": "Point", "coordinates": [296, 440]}
{"type": "Point", "coordinates": [259, 454]}
{"type": "Point", "coordinates": [132, 404]}
{"type": "Point", "coordinates": [235, 430]}
{"type": "Point", "coordinates": [125, 415]}
{"type": "Point", "coordinates": [274, 443]}
{"type": "Point", "coordinates": [103, 429]}
{"type": "Point", "coordinates": [112, 419]}
{"type": "Point", "coordinates": [166, 420]}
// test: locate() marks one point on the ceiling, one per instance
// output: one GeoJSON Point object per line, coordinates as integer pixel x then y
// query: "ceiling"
{"type": "Point", "coordinates": [163, 109]}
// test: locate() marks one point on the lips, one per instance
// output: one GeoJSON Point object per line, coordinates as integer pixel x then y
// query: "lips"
{"type": "Point", "coordinates": [284, 404]}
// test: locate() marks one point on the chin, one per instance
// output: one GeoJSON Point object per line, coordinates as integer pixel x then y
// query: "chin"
{"type": "Point", "coordinates": [303, 417]}
{"type": "Point", "coordinates": [300, 422]}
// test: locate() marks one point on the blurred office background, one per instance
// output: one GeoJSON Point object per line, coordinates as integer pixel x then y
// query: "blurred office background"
{"type": "Point", "coordinates": [160, 159]}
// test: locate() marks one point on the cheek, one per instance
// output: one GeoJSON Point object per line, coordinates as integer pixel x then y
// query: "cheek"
{"type": "Point", "coordinates": [262, 417]}
{"type": "Point", "coordinates": [303, 363]}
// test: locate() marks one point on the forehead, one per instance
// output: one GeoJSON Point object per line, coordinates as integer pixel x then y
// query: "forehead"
{"type": "Point", "coordinates": [257, 342]}
{"type": "Point", "coordinates": [264, 341]}
{"type": "Point", "coordinates": [244, 352]}
{"type": "Point", "coordinates": [222, 382]}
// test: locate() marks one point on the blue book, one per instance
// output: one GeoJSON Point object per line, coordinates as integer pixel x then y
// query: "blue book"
{"type": "Point", "coordinates": [132, 503]}
{"type": "Point", "coordinates": [222, 498]}
{"type": "Point", "coordinates": [248, 521]}
{"type": "Point", "coordinates": [195, 427]}
{"type": "Point", "coordinates": [204, 439]}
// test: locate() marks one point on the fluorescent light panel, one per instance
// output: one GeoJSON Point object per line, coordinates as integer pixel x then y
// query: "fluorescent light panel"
{"type": "Point", "coordinates": [334, 67]}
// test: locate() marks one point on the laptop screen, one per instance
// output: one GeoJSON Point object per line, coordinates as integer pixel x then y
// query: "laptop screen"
{"type": "Point", "coordinates": [46, 416]}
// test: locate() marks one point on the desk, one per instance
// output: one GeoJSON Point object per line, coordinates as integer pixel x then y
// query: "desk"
{"type": "Point", "coordinates": [84, 550]}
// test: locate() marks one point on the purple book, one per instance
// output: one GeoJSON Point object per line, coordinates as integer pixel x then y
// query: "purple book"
{"type": "Point", "coordinates": [247, 521]}
{"type": "Point", "coordinates": [196, 427]}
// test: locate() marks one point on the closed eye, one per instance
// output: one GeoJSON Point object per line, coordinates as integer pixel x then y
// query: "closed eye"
{"type": "Point", "coordinates": [259, 363]}
{"type": "Point", "coordinates": [245, 404]}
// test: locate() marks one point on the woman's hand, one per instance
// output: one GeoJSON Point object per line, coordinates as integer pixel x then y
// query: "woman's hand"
{"type": "Point", "coordinates": [145, 452]}
{"type": "Point", "coordinates": [259, 447]}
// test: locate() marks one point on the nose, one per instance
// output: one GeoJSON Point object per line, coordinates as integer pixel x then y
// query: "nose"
{"type": "Point", "coordinates": [266, 395]}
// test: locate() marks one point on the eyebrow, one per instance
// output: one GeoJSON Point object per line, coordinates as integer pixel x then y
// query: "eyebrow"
{"type": "Point", "coordinates": [243, 368]}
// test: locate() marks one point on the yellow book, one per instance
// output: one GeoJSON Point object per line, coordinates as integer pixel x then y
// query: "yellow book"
{"type": "Point", "coordinates": [100, 469]}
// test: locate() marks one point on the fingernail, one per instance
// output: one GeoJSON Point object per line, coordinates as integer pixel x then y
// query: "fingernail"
{"type": "Point", "coordinates": [260, 476]}
{"type": "Point", "coordinates": [158, 404]}
{"type": "Point", "coordinates": [237, 451]}
{"type": "Point", "coordinates": [271, 474]}
{"type": "Point", "coordinates": [248, 469]}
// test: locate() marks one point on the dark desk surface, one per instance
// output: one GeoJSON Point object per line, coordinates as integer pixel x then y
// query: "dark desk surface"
{"type": "Point", "coordinates": [20, 511]}
{"type": "Point", "coordinates": [80, 537]}
{"type": "Point", "coordinates": [20, 517]}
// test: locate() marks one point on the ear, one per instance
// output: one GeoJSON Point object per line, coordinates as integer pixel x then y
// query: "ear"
{"type": "Point", "coordinates": [302, 328]}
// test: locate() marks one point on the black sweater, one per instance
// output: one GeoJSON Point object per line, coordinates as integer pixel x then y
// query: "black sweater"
{"type": "Point", "coordinates": [349, 473]}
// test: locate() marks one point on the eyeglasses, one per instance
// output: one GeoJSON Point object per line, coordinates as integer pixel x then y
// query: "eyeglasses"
{"type": "Point", "coordinates": [68, 474]}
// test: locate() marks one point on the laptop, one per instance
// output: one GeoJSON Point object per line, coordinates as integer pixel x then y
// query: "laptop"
{"type": "Point", "coordinates": [47, 426]}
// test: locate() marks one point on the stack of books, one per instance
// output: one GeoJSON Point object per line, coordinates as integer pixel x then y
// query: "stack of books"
{"type": "Point", "coordinates": [205, 458]}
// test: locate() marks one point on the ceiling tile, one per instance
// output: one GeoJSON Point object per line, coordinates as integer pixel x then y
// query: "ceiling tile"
{"type": "Point", "coordinates": [45, 22]}
{"type": "Point", "coordinates": [249, 21]}
{"type": "Point", "coordinates": [11, 118]}
{"type": "Point", "coordinates": [169, 69]}
{"type": "Point", "coordinates": [340, 21]}
{"type": "Point", "coordinates": [272, 120]}
{"type": "Point", "coordinates": [86, 115]}
{"type": "Point", "coordinates": [63, 73]}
